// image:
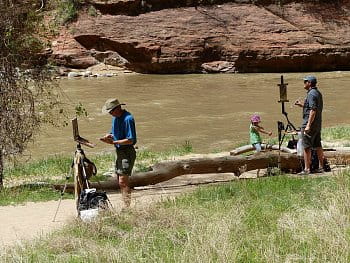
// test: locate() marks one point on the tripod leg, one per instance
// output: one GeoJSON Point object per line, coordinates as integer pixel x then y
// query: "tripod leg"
{"type": "Point", "coordinates": [58, 207]}
{"type": "Point", "coordinates": [78, 182]}
{"type": "Point", "coordinates": [62, 193]}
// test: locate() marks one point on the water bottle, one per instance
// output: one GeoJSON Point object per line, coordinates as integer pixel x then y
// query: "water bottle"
{"type": "Point", "coordinates": [300, 147]}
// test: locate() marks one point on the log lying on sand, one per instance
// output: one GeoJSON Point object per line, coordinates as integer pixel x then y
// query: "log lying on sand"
{"type": "Point", "coordinates": [164, 171]}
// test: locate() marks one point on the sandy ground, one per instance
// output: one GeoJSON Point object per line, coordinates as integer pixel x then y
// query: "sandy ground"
{"type": "Point", "coordinates": [32, 220]}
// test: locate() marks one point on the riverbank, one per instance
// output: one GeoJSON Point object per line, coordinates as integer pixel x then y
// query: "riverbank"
{"type": "Point", "coordinates": [32, 181]}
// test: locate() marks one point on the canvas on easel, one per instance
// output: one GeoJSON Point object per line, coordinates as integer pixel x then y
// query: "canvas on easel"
{"type": "Point", "coordinates": [77, 137]}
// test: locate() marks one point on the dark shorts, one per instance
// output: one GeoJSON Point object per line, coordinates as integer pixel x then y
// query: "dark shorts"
{"type": "Point", "coordinates": [125, 159]}
{"type": "Point", "coordinates": [312, 139]}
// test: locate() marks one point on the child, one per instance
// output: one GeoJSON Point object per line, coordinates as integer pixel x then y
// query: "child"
{"type": "Point", "coordinates": [254, 130]}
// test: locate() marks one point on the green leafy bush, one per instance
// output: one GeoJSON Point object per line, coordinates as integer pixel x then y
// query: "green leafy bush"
{"type": "Point", "coordinates": [67, 11]}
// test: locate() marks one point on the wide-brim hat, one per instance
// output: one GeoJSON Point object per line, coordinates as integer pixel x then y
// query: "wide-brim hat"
{"type": "Point", "coordinates": [110, 104]}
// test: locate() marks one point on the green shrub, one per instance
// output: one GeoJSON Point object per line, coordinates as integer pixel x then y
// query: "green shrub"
{"type": "Point", "coordinates": [67, 11]}
{"type": "Point", "coordinates": [92, 11]}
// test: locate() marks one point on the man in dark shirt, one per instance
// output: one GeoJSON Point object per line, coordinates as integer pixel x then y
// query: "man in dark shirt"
{"type": "Point", "coordinates": [312, 122]}
{"type": "Point", "coordinates": [123, 137]}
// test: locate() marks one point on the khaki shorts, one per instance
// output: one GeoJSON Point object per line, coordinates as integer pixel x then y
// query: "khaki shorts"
{"type": "Point", "coordinates": [125, 160]}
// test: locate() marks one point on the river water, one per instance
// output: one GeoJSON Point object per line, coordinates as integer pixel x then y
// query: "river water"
{"type": "Point", "coordinates": [210, 111]}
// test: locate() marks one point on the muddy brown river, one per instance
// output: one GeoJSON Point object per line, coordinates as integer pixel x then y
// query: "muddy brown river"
{"type": "Point", "coordinates": [210, 111]}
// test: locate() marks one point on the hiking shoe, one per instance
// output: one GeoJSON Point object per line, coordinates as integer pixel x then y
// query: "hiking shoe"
{"type": "Point", "coordinates": [304, 172]}
{"type": "Point", "coordinates": [319, 171]}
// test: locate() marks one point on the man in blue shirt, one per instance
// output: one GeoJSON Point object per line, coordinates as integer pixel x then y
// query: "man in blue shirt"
{"type": "Point", "coordinates": [312, 122]}
{"type": "Point", "coordinates": [123, 137]}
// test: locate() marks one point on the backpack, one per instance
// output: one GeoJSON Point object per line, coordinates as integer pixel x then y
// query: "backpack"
{"type": "Point", "coordinates": [89, 167]}
{"type": "Point", "coordinates": [92, 199]}
{"type": "Point", "coordinates": [292, 144]}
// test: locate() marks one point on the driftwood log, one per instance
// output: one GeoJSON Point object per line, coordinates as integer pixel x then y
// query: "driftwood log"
{"type": "Point", "coordinates": [249, 147]}
{"type": "Point", "coordinates": [166, 170]}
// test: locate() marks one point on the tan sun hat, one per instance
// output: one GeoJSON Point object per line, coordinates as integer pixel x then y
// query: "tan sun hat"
{"type": "Point", "coordinates": [110, 104]}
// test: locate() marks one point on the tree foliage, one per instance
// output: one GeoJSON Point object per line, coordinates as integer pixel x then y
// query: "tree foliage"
{"type": "Point", "coordinates": [28, 96]}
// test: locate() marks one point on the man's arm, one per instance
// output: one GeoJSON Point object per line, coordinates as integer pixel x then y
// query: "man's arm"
{"type": "Point", "coordinates": [299, 103]}
{"type": "Point", "coordinates": [108, 138]}
{"type": "Point", "coordinates": [130, 133]}
{"type": "Point", "coordinates": [123, 142]}
{"type": "Point", "coordinates": [310, 120]}
{"type": "Point", "coordinates": [313, 103]}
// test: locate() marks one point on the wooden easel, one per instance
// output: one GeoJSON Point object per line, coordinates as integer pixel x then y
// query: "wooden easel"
{"type": "Point", "coordinates": [80, 176]}
{"type": "Point", "coordinates": [289, 128]}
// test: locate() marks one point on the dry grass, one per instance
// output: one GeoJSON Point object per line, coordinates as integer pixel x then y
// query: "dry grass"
{"type": "Point", "coordinates": [323, 228]}
{"type": "Point", "coordinates": [276, 219]}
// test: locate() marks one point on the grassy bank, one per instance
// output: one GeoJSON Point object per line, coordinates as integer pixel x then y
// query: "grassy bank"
{"type": "Point", "coordinates": [337, 134]}
{"type": "Point", "coordinates": [276, 219]}
{"type": "Point", "coordinates": [55, 169]}
{"type": "Point", "coordinates": [31, 181]}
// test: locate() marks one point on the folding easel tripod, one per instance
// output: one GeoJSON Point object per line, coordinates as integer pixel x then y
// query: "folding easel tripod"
{"type": "Point", "coordinates": [77, 168]}
{"type": "Point", "coordinates": [289, 128]}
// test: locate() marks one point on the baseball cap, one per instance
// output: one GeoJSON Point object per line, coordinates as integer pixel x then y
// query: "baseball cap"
{"type": "Point", "coordinates": [311, 79]}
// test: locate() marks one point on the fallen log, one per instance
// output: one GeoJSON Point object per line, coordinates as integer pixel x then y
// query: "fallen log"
{"type": "Point", "coordinates": [249, 147]}
{"type": "Point", "coordinates": [167, 170]}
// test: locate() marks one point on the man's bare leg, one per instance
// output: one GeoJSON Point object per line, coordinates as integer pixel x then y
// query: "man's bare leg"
{"type": "Point", "coordinates": [320, 156]}
{"type": "Point", "coordinates": [125, 189]}
{"type": "Point", "coordinates": [307, 158]}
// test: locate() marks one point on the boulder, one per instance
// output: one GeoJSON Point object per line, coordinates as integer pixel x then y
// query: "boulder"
{"type": "Point", "coordinates": [219, 67]}
{"type": "Point", "coordinates": [74, 74]}
{"type": "Point", "coordinates": [110, 58]}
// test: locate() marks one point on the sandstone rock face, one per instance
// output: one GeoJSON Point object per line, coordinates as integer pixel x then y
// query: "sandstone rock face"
{"type": "Point", "coordinates": [69, 53]}
{"type": "Point", "coordinates": [229, 37]}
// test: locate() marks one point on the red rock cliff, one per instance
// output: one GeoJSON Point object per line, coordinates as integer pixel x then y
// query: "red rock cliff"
{"type": "Point", "coordinates": [229, 37]}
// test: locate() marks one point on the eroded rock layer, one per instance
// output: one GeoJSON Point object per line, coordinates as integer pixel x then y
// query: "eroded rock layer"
{"type": "Point", "coordinates": [231, 37]}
